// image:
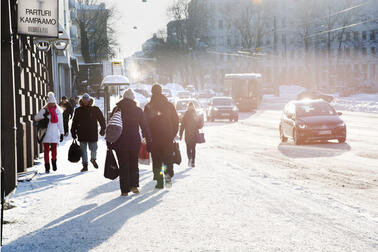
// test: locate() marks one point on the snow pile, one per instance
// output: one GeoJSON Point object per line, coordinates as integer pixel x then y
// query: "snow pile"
{"type": "Point", "coordinates": [357, 103]}
{"type": "Point", "coordinates": [291, 91]}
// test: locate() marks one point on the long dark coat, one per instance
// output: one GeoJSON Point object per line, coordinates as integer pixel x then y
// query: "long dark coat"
{"type": "Point", "coordinates": [84, 123]}
{"type": "Point", "coordinates": [191, 124]}
{"type": "Point", "coordinates": [163, 121]}
{"type": "Point", "coordinates": [132, 118]}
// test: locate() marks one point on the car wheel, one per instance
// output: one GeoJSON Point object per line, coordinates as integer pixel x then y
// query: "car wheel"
{"type": "Point", "coordinates": [297, 139]}
{"type": "Point", "coordinates": [282, 136]}
{"type": "Point", "coordinates": [341, 140]}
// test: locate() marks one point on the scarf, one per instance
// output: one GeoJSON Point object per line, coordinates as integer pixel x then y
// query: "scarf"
{"type": "Point", "coordinates": [54, 116]}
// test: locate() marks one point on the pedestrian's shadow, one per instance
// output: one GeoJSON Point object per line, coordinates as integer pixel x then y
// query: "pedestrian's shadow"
{"type": "Point", "coordinates": [113, 185]}
{"type": "Point", "coordinates": [42, 183]}
{"type": "Point", "coordinates": [88, 226]}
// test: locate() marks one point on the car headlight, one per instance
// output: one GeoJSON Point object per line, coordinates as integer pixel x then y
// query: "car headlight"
{"type": "Point", "coordinates": [302, 126]}
{"type": "Point", "coordinates": [342, 124]}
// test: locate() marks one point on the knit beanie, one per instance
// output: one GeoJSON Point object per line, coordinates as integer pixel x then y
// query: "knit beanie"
{"type": "Point", "coordinates": [129, 94]}
{"type": "Point", "coordinates": [51, 97]}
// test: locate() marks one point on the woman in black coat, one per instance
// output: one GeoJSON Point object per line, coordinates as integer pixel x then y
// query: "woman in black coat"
{"type": "Point", "coordinates": [128, 145]}
{"type": "Point", "coordinates": [191, 123]}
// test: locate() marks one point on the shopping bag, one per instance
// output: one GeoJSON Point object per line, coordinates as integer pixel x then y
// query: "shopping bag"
{"type": "Point", "coordinates": [144, 156]}
{"type": "Point", "coordinates": [74, 153]}
{"type": "Point", "coordinates": [111, 170]}
{"type": "Point", "coordinates": [200, 137]}
{"type": "Point", "coordinates": [176, 157]}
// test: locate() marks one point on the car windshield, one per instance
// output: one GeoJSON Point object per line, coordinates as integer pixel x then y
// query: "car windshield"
{"type": "Point", "coordinates": [314, 109]}
{"type": "Point", "coordinates": [183, 105]}
{"type": "Point", "coordinates": [222, 102]}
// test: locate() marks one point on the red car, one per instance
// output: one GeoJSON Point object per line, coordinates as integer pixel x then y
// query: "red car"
{"type": "Point", "coordinates": [310, 120]}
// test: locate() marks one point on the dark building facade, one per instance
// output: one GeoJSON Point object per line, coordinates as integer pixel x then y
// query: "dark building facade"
{"type": "Point", "coordinates": [26, 78]}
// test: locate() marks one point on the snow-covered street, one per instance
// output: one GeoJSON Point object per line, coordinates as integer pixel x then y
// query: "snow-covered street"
{"type": "Point", "coordinates": [249, 192]}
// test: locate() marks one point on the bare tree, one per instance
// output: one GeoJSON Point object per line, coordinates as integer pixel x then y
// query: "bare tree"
{"type": "Point", "coordinates": [251, 19]}
{"type": "Point", "coordinates": [96, 32]}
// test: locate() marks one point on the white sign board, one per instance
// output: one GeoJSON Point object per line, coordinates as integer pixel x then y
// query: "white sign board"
{"type": "Point", "coordinates": [38, 18]}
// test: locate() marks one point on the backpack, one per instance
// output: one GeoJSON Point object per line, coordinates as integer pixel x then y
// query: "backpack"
{"type": "Point", "coordinates": [74, 153]}
{"type": "Point", "coordinates": [41, 126]}
{"type": "Point", "coordinates": [114, 128]}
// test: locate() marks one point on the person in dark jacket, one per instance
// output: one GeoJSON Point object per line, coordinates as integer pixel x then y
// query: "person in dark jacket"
{"type": "Point", "coordinates": [128, 145]}
{"type": "Point", "coordinates": [191, 124]}
{"type": "Point", "coordinates": [67, 113]}
{"type": "Point", "coordinates": [163, 121]}
{"type": "Point", "coordinates": [84, 126]}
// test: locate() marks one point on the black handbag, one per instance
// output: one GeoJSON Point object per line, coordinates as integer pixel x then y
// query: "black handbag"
{"type": "Point", "coordinates": [74, 153]}
{"type": "Point", "coordinates": [111, 170]}
{"type": "Point", "coordinates": [176, 156]}
{"type": "Point", "coordinates": [41, 127]}
{"type": "Point", "coordinates": [200, 138]}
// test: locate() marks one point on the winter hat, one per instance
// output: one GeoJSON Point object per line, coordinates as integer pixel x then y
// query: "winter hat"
{"type": "Point", "coordinates": [129, 94]}
{"type": "Point", "coordinates": [156, 89]}
{"type": "Point", "coordinates": [51, 97]}
{"type": "Point", "coordinates": [86, 97]}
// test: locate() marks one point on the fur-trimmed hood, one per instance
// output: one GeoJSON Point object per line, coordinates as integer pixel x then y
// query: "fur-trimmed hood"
{"type": "Point", "coordinates": [91, 102]}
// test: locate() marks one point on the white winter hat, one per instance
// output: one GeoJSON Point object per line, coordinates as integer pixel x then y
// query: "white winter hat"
{"type": "Point", "coordinates": [129, 94]}
{"type": "Point", "coordinates": [51, 97]}
{"type": "Point", "coordinates": [86, 97]}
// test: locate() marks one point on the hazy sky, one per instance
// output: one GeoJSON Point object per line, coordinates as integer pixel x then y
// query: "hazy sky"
{"type": "Point", "coordinates": [148, 17]}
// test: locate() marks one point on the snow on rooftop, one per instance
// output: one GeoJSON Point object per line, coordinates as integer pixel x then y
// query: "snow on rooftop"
{"type": "Point", "coordinates": [115, 80]}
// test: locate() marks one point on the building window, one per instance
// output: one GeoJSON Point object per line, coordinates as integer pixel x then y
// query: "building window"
{"type": "Point", "coordinates": [355, 34]}
{"type": "Point", "coordinates": [364, 51]}
{"type": "Point", "coordinates": [373, 50]}
{"type": "Point", "coordinates": [220, 24]}
{"type": "Point", "coordinates": [347, 52]}
{"type": "Point", "coordinates": [364, 35]}
{"type": "Point", "coordinates": [347, 36]}
{"type": "Point", "coordinates": [372, 35]}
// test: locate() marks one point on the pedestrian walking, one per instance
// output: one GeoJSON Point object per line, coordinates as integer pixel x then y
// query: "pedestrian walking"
{"type": "Point", "coordinates": [74, 102]}
{"type": "Point", "coordinates": [163, 122]}
{"type": "Point", "coordinates": [85, 128]}
{"type": "Point", "coordinates": [128, 144]}
{"type": "Point", "coordinates": [191, 123]}
{"type": "Point", "coordinates": [67, 113]}
{"type": "Point", "coordinates": [54, 132]}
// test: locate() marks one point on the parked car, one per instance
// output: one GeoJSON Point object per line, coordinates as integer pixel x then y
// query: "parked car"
{"type": "Point", "coordinates": [311, 120]}
{"type": "Point", "coordinates": [167, 92]}
{"type": "Point", "coordinates": [181, 106]}
{"type": "Point", "coordinates": [222, 108]}
{"type": "Point", "coordinates": [184, 95]}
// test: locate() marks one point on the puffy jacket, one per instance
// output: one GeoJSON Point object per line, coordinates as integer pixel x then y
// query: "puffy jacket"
{"type": "Point", "coordinates": [85, 122]}
{"type": "Point", "coordinates": [54, 130]}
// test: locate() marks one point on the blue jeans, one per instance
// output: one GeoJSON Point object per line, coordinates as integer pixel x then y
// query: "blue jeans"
{"type": "Point", "coordinates": [92, 147]}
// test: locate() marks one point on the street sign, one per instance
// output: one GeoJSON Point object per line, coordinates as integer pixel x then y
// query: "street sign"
{"type": "Point", "coordinates": [38, 18]}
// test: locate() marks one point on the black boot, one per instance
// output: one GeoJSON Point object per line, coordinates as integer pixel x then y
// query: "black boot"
{"type": "Point", "coordinates": [85, 168]}
{"type": "Point", "coordinates": [47, 168]}
{"type": "Point", "coordinates": [160, 182]}
{"type": "Point", "coordinates": [54, 165]}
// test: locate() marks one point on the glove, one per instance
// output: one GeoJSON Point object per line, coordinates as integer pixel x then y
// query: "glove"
{"type": "Point", "coordinates": [102, 132]}
{"type": "Point", "coordinates": [61, 137]}
{"type": "Point", "coordinates": [74, 136]}
{"type": "Point", "coordinates": [149, 147]}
